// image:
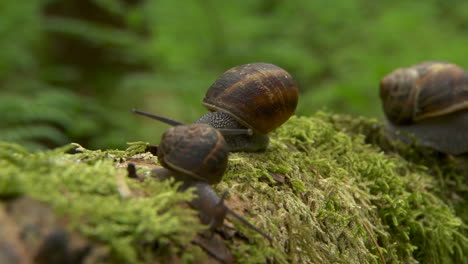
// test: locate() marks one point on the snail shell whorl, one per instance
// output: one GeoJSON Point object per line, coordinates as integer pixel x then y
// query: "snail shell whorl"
{"type": "Point", "coordinates": [198, 150]}
{"type": "Point", "coordinates": [422, 91]}
{"type": "Point", "coordinates": [261, 96]}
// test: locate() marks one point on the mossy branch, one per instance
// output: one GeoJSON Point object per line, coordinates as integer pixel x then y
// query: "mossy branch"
{"type": "Point", "coordinates": [328, 190]}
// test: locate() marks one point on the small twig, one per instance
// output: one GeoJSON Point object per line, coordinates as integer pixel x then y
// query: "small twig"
{"type": "Point", "coordinates": [373, 240]}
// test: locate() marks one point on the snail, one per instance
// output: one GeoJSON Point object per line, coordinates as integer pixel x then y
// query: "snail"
{"type": "Point", "coordinates": [430, 101]}
{"type": "Point", "coordinates": [197, 155]}
{"type": "Point", "coordinates": [257, 96]}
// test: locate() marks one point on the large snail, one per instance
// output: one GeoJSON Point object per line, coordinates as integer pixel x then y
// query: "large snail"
{"type": "Point", "coordinates": [430, 101]}
{"type": "Point", "coordinates": [197, 155]}
{"type": "Point", "coordinates": [257, 96]}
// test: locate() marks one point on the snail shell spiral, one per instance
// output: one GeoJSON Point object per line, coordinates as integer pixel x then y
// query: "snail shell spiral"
{"type": "Point", "coordinates": [430, 101]}
{"type": "Point", "coordinates": [198, 150]}
{"type": "Point", "coordinates": [261, 96]}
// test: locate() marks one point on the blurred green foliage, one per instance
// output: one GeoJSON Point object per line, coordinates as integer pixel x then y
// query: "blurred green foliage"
{"type": "Point", "coordinates": [72, 70]}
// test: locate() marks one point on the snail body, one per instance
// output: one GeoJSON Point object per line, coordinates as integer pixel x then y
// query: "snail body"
{"type": "Point", "coordinates": [257, 96]}
{"type": "Point", "coordinates": [430, 101]}
{"type": "Point", "coordinates": [211, 208]}
{"type": "Point", "coordinates": [247, 143]}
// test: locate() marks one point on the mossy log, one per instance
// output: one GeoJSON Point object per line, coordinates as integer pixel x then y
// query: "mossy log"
{"type": "Point", "coordinates": [329, 189]}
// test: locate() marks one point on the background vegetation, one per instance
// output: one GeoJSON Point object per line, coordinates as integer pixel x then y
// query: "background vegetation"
{"type": "Point", "coordinates": [71, 70]}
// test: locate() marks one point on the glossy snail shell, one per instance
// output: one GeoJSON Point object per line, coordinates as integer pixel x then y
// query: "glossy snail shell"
{"type": "Point", "coordinates": [423, 91]}
{"type": "Point", "coordinates": [261, 96]}
{"type": "Point", "coordinates": [197, 150]}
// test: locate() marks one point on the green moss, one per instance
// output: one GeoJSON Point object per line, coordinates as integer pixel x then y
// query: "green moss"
{"type": "Point", "coordinates": [449, 173]}
{"type": "Point", "coordinates": [347, 194]}
{"type": "Point", "coordinates": [335, 184]}
{"type": "Point", "coordinates": [90, 194]}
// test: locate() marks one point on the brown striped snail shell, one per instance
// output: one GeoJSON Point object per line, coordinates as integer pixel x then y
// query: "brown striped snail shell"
{"type": "Point", "coordinates": [197, 150]}
{"type": "Point", "coordinates": [429, 100]}
{"type": "Point", "coordinates": [257, 96]}
{"type": "Point", "coordinates": [260, 96]}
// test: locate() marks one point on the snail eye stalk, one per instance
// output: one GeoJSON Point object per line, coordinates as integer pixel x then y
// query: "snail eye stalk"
{"type": "Point", "coordinates": [172, 122]}
{"type": "Point", "coordinates": [163, 119]}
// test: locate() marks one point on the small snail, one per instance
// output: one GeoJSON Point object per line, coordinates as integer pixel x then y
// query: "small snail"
{"type": "Point", "coordinates": [198, 151]}
{"type": "Point", "coordinates": [430, 101]}
{"type": "Point", "coordinates": [197, 155]}
{"type": "Point", "coordinates": [257, 96]}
